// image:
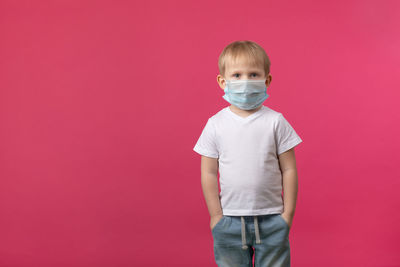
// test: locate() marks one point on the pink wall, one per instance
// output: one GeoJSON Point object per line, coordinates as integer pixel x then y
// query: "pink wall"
{"type": "Point", "coordinates": [101, 103]}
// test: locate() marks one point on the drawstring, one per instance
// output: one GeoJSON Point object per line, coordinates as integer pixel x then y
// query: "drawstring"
{"type": "Point", "coordinates": [258, 241]}
{"type": "Point", "coordinates": [243, 235]}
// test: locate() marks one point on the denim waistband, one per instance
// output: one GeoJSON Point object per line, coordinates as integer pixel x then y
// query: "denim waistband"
{"type": "Point", "coordinates": [251, 218]}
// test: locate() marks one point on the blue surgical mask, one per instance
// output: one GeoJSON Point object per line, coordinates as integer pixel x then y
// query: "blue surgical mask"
{"type": "Point", "coordinates": [245, 94]}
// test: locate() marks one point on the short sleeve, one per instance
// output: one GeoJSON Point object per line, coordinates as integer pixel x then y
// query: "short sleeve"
{"type": "Point", "coordinates": [206, 144]}
{"type": "Point", "coordinates": [285, 136]}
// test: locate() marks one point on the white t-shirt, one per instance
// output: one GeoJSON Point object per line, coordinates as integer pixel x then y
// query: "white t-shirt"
{"type": "Point", "coordinates": [247, 150]}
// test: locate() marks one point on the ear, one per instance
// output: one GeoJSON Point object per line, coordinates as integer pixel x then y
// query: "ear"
{"type": "Point", "coordinates": [221, 81]}
{"type": "Point", "coordinates": [268, 79]}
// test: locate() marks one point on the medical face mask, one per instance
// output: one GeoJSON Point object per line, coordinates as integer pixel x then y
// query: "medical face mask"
{"type": "Point", "coordinates": [245, 94]}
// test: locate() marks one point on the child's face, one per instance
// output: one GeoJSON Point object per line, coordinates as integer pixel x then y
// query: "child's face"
{"type": "Point", "coordinates": [243, 70]}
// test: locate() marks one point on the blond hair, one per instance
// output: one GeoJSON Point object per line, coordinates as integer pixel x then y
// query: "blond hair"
{"type": "Point", "coordinates": [251, 50]}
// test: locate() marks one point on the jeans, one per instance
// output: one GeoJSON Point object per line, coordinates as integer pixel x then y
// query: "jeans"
{"type": "Point", "coordinates": [236, 241]}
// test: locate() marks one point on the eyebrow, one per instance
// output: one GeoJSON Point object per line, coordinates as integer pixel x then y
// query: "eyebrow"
{"type": "Point", "coordinates": [251, 71]}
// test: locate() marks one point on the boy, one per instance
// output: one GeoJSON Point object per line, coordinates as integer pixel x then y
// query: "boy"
{"type": "Point", "coordinates": [252, 148]}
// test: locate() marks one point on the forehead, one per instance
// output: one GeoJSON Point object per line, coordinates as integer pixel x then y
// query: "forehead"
{"type": "Point", "coordinates": [243, 63]}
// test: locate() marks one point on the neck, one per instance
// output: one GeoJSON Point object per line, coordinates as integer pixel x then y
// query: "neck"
{"type": "Point", "coordinates": [242, 111]}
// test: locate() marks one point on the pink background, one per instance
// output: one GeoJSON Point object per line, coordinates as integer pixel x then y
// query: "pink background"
{"type": "Point", "coordinates": [101, 104]}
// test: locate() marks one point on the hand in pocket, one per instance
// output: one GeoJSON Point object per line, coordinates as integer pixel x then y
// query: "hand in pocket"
{"type": "Point", "coordinates": [215, 220]}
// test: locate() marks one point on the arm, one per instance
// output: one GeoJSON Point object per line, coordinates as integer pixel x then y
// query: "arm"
{"type": "Point", "coordinates": [209, 183]}
{"type": "Point", "coordinates": [287, 162]}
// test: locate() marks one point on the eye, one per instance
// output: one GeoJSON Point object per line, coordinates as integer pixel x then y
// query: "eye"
{"type": "Point", "coordinates": [255, 74]}
{"type": "Point", "coordinates": [234, 75]}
